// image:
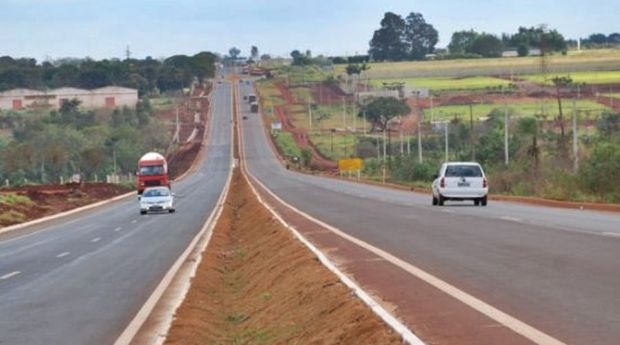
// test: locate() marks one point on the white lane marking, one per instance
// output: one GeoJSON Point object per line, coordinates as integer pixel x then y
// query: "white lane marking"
{"type": "Point", "coordinates": [134, 221]}
{"type": "Point", "coordinates": [118, 229]}
{"type": "Point", "coordinates": [405, 333]}
{"type": "Point", "coordinates": [518, 326]}
{"type": "Point", "coordinates": [96, 239]}
{"type": "Point", "coordinates": [63, 254]}
{"type": "Point", "coordinates": [9, 275]}
{"type": "Point", "coordinates": [611, 234]}
{"type": "Point", "coordinates": [512, 219]}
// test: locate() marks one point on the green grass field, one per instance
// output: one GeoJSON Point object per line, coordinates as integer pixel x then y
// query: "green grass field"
{"type": "Point", "coordinates": [586, 77]}
{"type": "Point", "coordinates": [446, 83]}
{"type": "Point", "coordinates": [586, 60]}
{"type": "Point", "coordinates": [585, 110]}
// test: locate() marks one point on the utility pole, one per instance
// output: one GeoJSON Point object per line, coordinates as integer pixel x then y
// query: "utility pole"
{"type": "Point", "coordinates": [471, 125]}
{"type": "Point", "coordinates": [419, 130]}
{"type": "Point", "coordinates": [401, 141]}
{"type": "Point", "coordinates": [344, 116]}
{"type": "Point", "coordinates": [431, 96]}
{"type": "Point", "coordinates": [384, 154]}
{"type": "Point", "coordinates": [506, 152]}
{"type": "Point", "coordinates": [309, 115]}
{"type": "Point", "coordinates": [445, 124]}
{"type": "Point", "coordinates": [575, 137]}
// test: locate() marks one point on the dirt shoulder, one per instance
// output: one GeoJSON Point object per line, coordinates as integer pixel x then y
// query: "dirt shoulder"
{"type": "Point", "coordinates": [22, 204]}
{"type": "Point", "coordinates": [257, 284]}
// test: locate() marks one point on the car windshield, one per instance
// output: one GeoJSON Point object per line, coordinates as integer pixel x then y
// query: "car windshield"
{"type": "Point", "coordinates": [463, 171]}
{"type": "Point", "coordinates": [151, 170]}
{"type": "Point", "coordinates": [156, 192]}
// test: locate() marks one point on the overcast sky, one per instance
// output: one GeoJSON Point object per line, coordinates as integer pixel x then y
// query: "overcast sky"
{"type": "Point", "coordinates": [100, 29]}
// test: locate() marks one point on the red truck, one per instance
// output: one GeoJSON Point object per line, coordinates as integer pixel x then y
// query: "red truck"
{"type": "Point", "coordinates": [152, 171]}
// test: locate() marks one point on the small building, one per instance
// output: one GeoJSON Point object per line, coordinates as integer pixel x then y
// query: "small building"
{"type": "Point", "coordinates": [104, 97]}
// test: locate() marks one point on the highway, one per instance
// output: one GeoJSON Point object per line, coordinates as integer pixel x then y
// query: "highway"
{"type": "Point", "coordinates": [82, 279]}
{"type": "Point", "coordinates": [555, 270]}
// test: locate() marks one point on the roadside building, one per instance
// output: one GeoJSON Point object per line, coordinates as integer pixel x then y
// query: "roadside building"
{"type": "Point", "coordinates": [104, 97]}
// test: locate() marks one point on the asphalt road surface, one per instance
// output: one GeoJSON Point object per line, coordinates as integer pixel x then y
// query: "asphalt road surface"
{"type": "Point", "coordinates": [82, 279]}
{"type": "Point", "coordinates": [557, 270]}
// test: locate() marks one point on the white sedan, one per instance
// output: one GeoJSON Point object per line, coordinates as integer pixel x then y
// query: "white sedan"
{"type": "Point", "coordinates": [460, 181]}
{"type": "Point", "coordinates": [156, 199]}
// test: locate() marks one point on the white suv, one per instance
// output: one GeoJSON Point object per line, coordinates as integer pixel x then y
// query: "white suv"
{"type": "Point", "coordinates": [460, 181]}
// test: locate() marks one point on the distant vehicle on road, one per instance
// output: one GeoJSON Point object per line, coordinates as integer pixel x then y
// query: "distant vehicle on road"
{"type": "Point", "coordinates": [460, 181]}
{"type": "Point", "coordinates": [152, 171]}
{"type": "Point", "coordinates": [157, 199]}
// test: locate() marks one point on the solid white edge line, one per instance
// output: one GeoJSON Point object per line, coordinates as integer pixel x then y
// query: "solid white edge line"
{"type": "Point", "coordinates": [59, 215]}
{"type": "Point", "coordinates": [404, 332]}
{"type": "Point", "coordinates": [388, 318]}
{"type": "Point", "coordinates": [499, 316]}
{"type": "Point", "coordinates": [9, 275]}
{"type": "Point", "coordinates": [63, 254]}
{"type": "Point", "coordinates": [134, 326]}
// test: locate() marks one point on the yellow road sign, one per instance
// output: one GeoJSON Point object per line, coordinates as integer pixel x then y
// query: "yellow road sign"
{"type": "Point", "coordinates": [350, 164]}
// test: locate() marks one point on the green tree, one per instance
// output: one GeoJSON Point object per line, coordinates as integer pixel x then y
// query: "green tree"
{"type": "Point", "coordinates": [528, 126]}
{"type": "Point", "coordinates": [462, 41]}
{"type": "Point", "coordinates": [387, 42]}
{"type": "Point", "coordinates": [419, 36]}
{"type": "Point", "coordinates": [234, 53]}
{"type": "Point", "coordinates": [487, 45]}
{"type": "Point", "coordinates": [382, 109]}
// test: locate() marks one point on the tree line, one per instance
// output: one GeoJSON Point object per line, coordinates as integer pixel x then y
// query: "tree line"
{"type": "Point", "coordinates": [69, 140]}
{"type": "Point", "coordinates": [412, 38]}
{"type": "Point", "coordinates": [148, 76]}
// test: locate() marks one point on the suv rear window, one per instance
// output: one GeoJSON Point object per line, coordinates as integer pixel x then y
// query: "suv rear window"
{"type": "Point", "coordinates": [463, 171]}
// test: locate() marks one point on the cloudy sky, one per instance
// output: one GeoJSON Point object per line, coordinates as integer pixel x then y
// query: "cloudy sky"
{"type": "Point", "coordinates": [100, 29]}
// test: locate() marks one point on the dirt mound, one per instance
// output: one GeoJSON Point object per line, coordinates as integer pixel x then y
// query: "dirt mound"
{"type": "Point", "coordinates": [46, 200]}
{"type": "Point", "coordinates": [257, 284]}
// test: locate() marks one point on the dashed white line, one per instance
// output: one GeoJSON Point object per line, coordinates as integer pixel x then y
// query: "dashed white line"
{"type": "Point", "coordinates": [9, 275]}
{"type": "Point", "coordinates": [96, 239]}
{"type": "Point", "coordinates": [134, 221]}
{"type": "Point", "coordinates": [63, 254]}
{"type": "Point", "coordinates": [118, 229]}
{"type": "Point", "coordinates": [611, 234]}
{"type": "Point", "coordinates": [512, 219]}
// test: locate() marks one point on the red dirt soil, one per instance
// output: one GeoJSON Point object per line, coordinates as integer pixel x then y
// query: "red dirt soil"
{"type": "Point", "coordinates": [257, 284]}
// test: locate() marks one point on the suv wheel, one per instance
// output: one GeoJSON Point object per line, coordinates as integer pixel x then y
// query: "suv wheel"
{"type": "Point", "coordinates": [440, 200]}
{"type": "Point", "coordinates": [483, 201]}
{"type": "Point", "coordinates": [434, 201]}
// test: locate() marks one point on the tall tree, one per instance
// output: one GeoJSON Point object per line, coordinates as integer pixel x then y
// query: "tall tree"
{"type": "Point", "coordinates": [234, 52]}
{"type": "Point", "coordinates": [254, 53]}
{"type": "Point", "coordinates": [462, 41]}
{"type": "Point", "coordinates": [387, 42]}
{"type": "Point", "coordinates": [382, 109]}
{"type": "Point", "coordinates": [487, 45]}
{"type": "Point", "coordinates": [419, 36]}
